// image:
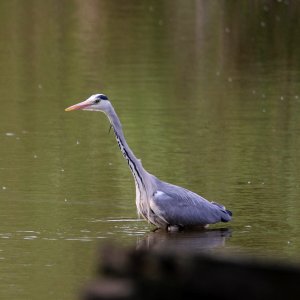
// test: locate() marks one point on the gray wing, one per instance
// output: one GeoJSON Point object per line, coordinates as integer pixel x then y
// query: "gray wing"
{"type": "Point", "coordinates": [179, 206]}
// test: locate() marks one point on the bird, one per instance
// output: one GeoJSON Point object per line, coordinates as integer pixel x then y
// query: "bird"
{"type": "Point", "coordinates": [165, 205]}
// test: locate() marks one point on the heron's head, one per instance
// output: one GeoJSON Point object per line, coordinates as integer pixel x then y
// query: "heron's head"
{"type": "Point", "coordinates": [97, 102]}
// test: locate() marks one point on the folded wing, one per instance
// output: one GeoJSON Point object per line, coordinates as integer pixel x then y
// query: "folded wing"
{"type": "Point", "coordinates": [179, 206]}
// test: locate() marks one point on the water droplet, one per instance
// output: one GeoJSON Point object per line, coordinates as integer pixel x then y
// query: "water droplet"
{"type": "Point", "coordinates": [4, 188]}
{"type": "Point", "coordinates": [77, 142]}
{"type": "Point", "coordinates": [249, 182]}
{"type": "Point", "coordinates": [35, 156]}
{"type": "Point", "coordinates": [66, 200]}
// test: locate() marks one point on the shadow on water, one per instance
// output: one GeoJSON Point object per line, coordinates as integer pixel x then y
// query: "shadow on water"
{"type": "Point", "coordinates": [187, 241]}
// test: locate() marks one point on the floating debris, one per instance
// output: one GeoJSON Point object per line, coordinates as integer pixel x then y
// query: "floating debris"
{"type": "Point", "coordinates": [10, 134]}
{"type": "Point", "coordinates": [77, 143]}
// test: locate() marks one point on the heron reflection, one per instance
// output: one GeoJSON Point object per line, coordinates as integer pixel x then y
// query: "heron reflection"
{"type": "Point", "coordinates": [188, 241]}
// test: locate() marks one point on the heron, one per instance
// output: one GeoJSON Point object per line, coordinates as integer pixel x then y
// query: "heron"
{"type": "Point", "coordinates": [164, 205]}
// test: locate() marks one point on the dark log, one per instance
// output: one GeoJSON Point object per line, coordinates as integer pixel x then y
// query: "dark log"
{"type": "Point", "coordinates": [144, 274]}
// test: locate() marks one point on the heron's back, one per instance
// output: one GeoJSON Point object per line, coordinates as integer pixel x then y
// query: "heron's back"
{"type": "Point", "coordinates": [179, 206]}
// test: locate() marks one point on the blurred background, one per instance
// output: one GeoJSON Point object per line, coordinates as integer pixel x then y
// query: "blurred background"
{"type": "Point", "coordinates": [209, 96]}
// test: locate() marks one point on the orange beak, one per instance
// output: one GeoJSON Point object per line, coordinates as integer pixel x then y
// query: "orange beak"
{"type": "Point", "coordinates": [78, 106]}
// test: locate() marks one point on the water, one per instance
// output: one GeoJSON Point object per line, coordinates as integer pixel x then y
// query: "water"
{"type": "Point", "coordinates": [209, 98]}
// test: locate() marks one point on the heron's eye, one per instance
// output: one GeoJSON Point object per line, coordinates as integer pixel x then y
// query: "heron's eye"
{"type": "Point", "coordinates": [96, 101]}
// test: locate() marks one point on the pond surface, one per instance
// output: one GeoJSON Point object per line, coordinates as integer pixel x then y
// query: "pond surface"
{"type": "Point", "coordinates": [209, 97]}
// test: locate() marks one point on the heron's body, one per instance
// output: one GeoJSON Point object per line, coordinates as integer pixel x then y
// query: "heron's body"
{"type": "Point", "coordinates": [162, 204]}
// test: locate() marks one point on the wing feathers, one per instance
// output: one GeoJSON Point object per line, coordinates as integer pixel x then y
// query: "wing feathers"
{"type": "Point", "coordinates": [179, 206]}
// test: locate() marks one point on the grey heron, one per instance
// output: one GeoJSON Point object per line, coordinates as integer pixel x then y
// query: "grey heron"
{"type": "Point", "coordinates": [165, 205]}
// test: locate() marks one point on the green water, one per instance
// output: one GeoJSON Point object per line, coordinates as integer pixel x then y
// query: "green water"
{"type": "Point", "coordinates": [209, 97]}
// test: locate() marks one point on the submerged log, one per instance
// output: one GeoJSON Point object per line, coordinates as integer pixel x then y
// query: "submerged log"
{"type": "Point", "coordinates": [146, 274]}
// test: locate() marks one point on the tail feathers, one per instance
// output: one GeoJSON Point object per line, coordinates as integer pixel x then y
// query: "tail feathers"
{"type": "Point", "coordinates": [227, 214]}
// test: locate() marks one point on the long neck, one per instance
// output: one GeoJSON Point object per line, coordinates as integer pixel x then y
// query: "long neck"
{"type": "Point", "coordinates": [135, 165]}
